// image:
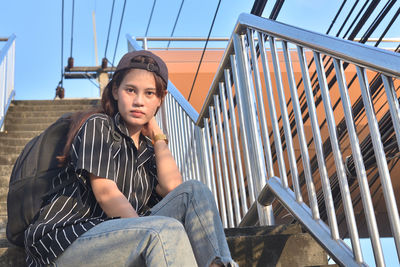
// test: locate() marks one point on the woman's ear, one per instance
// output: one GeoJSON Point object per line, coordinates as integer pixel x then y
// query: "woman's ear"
{"type": "Point", "coordinates": [114, 91]}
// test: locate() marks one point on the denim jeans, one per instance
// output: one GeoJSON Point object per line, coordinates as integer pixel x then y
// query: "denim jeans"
{"type": "Point", "coordinates": [184, 229]}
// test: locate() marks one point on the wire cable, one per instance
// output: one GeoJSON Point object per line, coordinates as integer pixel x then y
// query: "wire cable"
{"type": "Point", "coordinates": [204, 50]}
{"type": "Point", "coordinates": [72, 25]}
{"type": "Point", "coordinates": [176, 21]}
{"type": "Point", "coordinates": [109, 29]}
{"type": "Point", "coordinates": [119, 31]}
{"type": "Point", "coordinates": [151, 16]}
{"type": "Point", "coordinates": [62, 44]}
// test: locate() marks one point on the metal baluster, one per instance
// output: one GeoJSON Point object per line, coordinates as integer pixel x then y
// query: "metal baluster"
{"type": "Point", "coordinates": [260, 102]}
{"type": "Point", "coordinates": [265, 214]}
{"type": "Point", "coordinates": [241, 114]}
{"type": "Point", "coordinates": [197, 154]}
{"type": "Point", "coordinates": [315, 130]}
{"type": "Point", "coordinates": [224, 165]}
{"type": "Point", "coordinates": [285, 117]}
{"type": "Point", "coordinates": [208, 151]}
{"type": "Point", "coordinates": [177, 136]}
{"type": "Point", "coordinates": [218, 168]}
{"type": "Point", "coordinates": [186, 143]}
{"type": "Point", "coordinates": [299, 123]}
{"type": "Point", "coordinates": [191, 147]}
{"type": "Point", "coordinates": [230, 154]}
{"type": "Point", "coordinates": [340, 171]}
{"type": "Point", "coordinates": [182, 142]}
{"type": "Point", "coordinates": [393, 105]}
{"type": "Point", "coordinates": [171, 136]}
{"type": "Point", "coordinates": [236, 142]}
{"type": "Point", "coordinates": [272, 112]}
{"type": "Point", "coordinates": [359, 165]}
{"type": "Point", "coordinates": [380, 157]}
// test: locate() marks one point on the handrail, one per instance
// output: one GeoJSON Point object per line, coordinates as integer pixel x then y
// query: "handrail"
{"type": "Point", "coordinates": [146, 39]}
{"type": "Point", "coordinates": [7, 63]}
{"type": "Point", "coordinates": [329, 45]}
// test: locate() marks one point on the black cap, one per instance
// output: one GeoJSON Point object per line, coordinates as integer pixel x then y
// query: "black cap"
{"type": "Point", "coordinates": [159, 68]}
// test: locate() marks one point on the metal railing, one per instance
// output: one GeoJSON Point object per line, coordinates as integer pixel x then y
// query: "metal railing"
{"type": "Point", "coordinates": [294, 151]}
{"type": "Point", "coordinates": [7, 63]}
{"type": "Point", "coordinates": [197, 42]}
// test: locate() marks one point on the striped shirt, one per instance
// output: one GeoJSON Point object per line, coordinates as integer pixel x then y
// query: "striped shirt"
{"type": "Point", "coordinates": [73, 210]}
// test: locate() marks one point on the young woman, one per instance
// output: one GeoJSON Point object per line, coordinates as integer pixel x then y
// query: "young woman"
{"type": "Point", "coordinates": [120, 167]}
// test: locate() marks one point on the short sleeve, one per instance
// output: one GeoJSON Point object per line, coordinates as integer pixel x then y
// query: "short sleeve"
{"type": "Point", "coordinates": [93, 150]}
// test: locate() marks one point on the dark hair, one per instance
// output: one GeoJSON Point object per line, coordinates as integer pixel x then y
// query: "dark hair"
{"type": "Point", "coordinates": [108, 106]}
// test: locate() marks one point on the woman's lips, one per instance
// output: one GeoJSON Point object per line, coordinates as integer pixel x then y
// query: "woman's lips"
{"type": "Point", "coordinates": [137, 113]}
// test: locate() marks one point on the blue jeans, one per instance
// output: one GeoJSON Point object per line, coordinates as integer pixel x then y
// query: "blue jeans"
{"type": "Point", "coordinates": [184, 229]}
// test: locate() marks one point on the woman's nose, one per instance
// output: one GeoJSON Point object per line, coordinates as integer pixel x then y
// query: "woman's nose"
{"type": "Point", "coordinates": [138, 100]}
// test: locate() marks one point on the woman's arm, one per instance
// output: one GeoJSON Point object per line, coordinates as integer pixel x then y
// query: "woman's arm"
{"type": "Point", "coordinates": [111, 199]}
{"type": "Point", "coordinates": [168, 173]}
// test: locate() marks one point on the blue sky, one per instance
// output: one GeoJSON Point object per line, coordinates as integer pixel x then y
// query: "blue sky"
{"type": "Point", "coordinates": [37, 25]}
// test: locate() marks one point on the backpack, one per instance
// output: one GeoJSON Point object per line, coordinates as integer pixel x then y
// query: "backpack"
{"type": "Point", "coordinates": [32, 174]}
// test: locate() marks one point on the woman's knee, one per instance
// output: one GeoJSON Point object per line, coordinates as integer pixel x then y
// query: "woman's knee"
{"type": "Point", "coordinates": [168, 224]}
{"type": "Point", "coordinates": [195, 185]}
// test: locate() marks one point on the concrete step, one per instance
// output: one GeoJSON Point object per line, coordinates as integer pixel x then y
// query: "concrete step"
{"type": "Point", "coordinates": [4, 181]}
{"type": "Point", "coordinates": [266, 247]}
{"type": "Point", "coordinates": [3, 194]}
{"type": "Point", "coordinates": [13, 141]}
{"type": "Point", "coordinates": [3, 208]}
{"type": "Point", "coordinates": [27, 127]}
{"type": "Point", "coordinates": [24, 108]}
{"type": "Point", "coordinates": [37, 114]}
{"type": "Point", "coordinates": [6, 150]}
{"type": "Point", "coordinates": [93, 101]}
{"type": "Point", "coordinates": [8, 159]}
{"type": "Point", "coordinates": [5, 170]}
{"type": "Point", "coordinates": [15, 120]}
{"type": "Point", "coordinates": [19, 134]}
{"type": "Point", "coordinates": [3, 221]}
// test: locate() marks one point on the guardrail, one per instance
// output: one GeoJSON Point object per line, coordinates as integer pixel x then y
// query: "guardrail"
{"type": "Point", "coordinates": [293, 151]}
{"type": "Point", "coordinates": [7, 63]}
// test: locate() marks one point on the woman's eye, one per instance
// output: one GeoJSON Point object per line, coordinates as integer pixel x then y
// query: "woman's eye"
{"type": "Point", "coordinates": [150, 93]}
{"type": "Point", "coordinates": [130, 90]}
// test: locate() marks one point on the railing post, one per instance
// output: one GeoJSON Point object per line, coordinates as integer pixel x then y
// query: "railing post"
{"type": "Point", "coordinates": [253, 128]}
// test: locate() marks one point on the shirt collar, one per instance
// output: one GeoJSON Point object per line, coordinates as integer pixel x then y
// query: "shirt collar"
{"type": "Point", "coordinates": [144, 141]}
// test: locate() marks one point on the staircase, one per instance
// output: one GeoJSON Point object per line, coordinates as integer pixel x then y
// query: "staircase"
{"type": "Point", "coordinates": [25, 120]}
{"type": "Point", "coordinates": [282, 245]}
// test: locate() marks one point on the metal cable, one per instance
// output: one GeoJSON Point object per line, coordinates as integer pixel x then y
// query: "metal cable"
{"type": "Point", "coordinates": [204, 49]}
{"type": "Point", "coordinates": [388, 27]}
{"type": "Point", "coordinates": [347, 18]}
{"type": "Point", "coordinates": [176, 21]}
{"type": "Point", "coordinates": [109, 29]}
{"type": "Point", "coordinates": [355, 19]}
{"type": "Point", "coordinates": [72, 25]}
{"type": "Point", "coordinates": [62, 45]}
{"type": "Point", "coordinates": [151, 16]}
{"type": "Point", "coordinates": [119, 31]}
{"type": "Point", "coordinates": [336, 16]}
{"type": "Point", "coordinates": [276, 9]}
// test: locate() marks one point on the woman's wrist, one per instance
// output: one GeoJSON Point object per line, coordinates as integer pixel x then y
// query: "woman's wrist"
{"type": "Point", "coordinates": [160, 136]}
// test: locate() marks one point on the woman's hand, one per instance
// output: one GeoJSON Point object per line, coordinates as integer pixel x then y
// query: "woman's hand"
{"type": "Point", "coordinates": [151, 129]}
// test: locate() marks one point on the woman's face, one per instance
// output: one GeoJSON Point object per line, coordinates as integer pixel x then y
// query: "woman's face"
{"type": "Point", "coordinates": [137, 99]}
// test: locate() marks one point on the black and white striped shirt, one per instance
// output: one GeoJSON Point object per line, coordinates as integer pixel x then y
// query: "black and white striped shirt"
{"type": "Point", "coordinates": [73, 210]}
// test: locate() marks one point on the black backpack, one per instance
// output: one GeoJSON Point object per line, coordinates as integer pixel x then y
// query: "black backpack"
{"type": "Point", "coordinates": [31, 177]}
